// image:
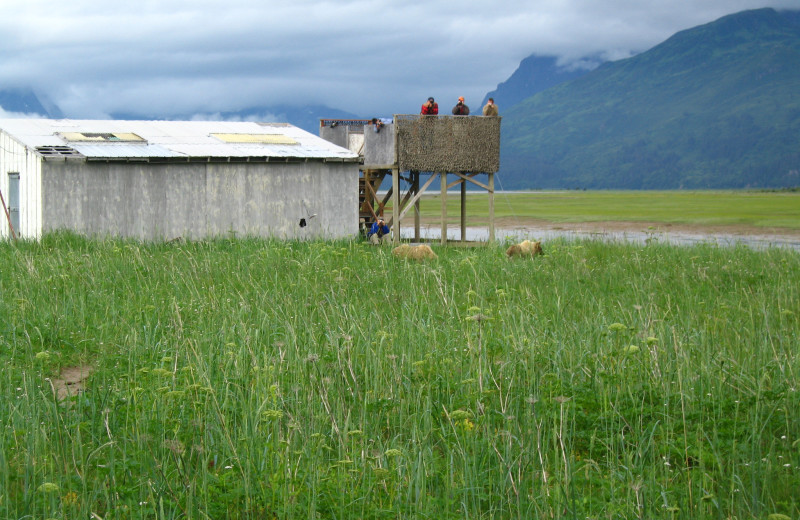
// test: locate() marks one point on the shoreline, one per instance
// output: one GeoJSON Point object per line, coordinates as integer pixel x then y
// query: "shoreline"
{"type": "Point", "coordinates": [635, 232]}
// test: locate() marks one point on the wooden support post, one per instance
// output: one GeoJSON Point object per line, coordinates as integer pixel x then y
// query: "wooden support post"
{"type": "Point", "coordinates": [415, 187]}
{"type": "Point", "coordinates": [444, 208]}
{"type": "Point", "coordinates": [369, 198]}
{"type": "Point", "coordinates": [491, 208]}
{"type": "Point", "coordinates": [396, 205]}
{"type": "Point", "coordinates": [463, 210]}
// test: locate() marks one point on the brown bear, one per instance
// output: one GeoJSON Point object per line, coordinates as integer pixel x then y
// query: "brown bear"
{"type": "Point", "coordinates": [421, 252]}
{"type": "Point", "coordinates": [524, 248]}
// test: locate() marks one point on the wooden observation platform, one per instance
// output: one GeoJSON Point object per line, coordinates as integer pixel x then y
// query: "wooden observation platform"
{"type": "Point", "coordinates": [419, 149]}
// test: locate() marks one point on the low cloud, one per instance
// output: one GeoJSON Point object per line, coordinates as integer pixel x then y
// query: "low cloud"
{"type": "Point", "coordinates": [263, 117]}
{"type": "Point", "coordinates": [97, 58]}
{"type": "Point", "coordinates": [18, 115]}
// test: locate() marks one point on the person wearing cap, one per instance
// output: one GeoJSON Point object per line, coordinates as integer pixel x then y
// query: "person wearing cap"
{"type": "Point", "coordinates": [490, 109]}
{"type": "Point", "coordinates": [378, 231]}
{"type": "Point", "coordinates": [461, 109]}
{"type": "Point", "coordinates": [430, 108]}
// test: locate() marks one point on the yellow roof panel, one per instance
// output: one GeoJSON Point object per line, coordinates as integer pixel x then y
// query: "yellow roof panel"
{"type": "Point", "coordinates": [101, 137]}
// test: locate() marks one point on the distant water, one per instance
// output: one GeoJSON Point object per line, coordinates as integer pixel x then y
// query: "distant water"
{"type": "Point", "coordinates": [635, 237]}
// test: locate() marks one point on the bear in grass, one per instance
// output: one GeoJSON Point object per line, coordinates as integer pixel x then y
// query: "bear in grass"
{"type": "Point", "coordinates": [524, 249]}
{"type": "Point", "coordinates": [421, 252]}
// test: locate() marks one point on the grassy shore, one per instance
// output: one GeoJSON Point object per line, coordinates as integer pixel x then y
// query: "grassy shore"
{"type": "Point", "coordinates": [264, 379]}
{"type": "Point", "coordinates": [753, 209]}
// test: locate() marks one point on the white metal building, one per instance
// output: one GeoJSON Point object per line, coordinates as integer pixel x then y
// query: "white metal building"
{"type": "Point", "coordinates": [159, 180]}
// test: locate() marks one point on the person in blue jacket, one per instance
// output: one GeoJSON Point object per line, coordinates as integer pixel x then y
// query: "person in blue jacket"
{"type": "Point", "coordinates": [378, 231]}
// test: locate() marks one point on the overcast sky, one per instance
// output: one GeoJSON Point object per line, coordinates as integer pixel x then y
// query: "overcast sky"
{"type": "Point", "coordinates": [371, 56]}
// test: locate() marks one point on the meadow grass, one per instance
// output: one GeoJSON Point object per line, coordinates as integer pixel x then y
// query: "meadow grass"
{"type": "Point", "coordinates": [761, 209]}
{"type": "Point", "coordinates": [265, 379]}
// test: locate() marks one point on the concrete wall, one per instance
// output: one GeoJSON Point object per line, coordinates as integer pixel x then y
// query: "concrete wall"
{"type": "Point", "coordinates": [337, 135]}
{"type": "Point", "coordinates": [428, 143]}
{"type": "Point", "coordinates": [347, 134]}
{"type": "Point", "coordinates": [379, 146]}
{"type": "Point", "coordinates": [198, 200]}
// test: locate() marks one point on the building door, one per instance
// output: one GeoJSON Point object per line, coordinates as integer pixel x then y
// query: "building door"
{"type": "Point", "coordinates": [13, 200]}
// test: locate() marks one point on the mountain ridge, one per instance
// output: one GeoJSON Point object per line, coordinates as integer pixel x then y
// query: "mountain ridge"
{"type": "Point", "coordinates": [22, 101]}
{"type": "Point", "coordinates": [713, 106]}
{"type": "Point", "coordinates": [306, 117]}
{"type": "Point", "coordinates": [706, 108]}
{"type": "Point", "coordinates": [537, 73]}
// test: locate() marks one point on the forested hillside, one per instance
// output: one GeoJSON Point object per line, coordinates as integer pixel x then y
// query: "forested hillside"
{"type": "Point", "coordinates": [716, 106]}
{"type": "Point", "coordinates": [535, 74]}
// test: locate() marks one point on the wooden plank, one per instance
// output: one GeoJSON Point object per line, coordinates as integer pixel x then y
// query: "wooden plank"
{"type": "Point", "coordinates": [463, 211]}
{"type": "Point", "coordinates": [395, 205]}
{"type": "Point", "coordinates": [415, 200]}
{"type": "Point", "coordinates": [415, 187]}
{"type": "Point", "coordinates": [389, 194]}
{"type": "Point", "coordinates": [468, 178]}
{"type": "Point", "coordinates": [372, 197]}
{"type": "Point", "coordinates": [444, 209]}
{"type": "Point", "coordinates": [372, 184]}
{"type": "Point", "coordinates": [403, 204]}
{"type": "Point", "coordinates": [491, 208]}
{"type": "Point", "coordinates": [382, 204]}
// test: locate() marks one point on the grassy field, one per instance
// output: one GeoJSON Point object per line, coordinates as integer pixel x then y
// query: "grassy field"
{"type": "Point", "coordinates": [263, 379]}
{"type": "Point", "coordinates": [757, 209]}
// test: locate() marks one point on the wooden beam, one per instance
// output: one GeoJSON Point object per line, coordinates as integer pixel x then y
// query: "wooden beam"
{"type": "Point", "coordinates": [370, 202]}
{"type": "Point", "coordinates": [468, 178]}
{"type": "Point", "coordinates": [463, 211]}
{"type": "Point", "coordinates": [415, 187]}
{"type": "Point", "coordinates": [402, 206]}
{"type": "Point", "coordinates": [374, 184]}
{"type": "Point", "coordinates": [389, 193]}
{"type": "Point", "coordinates": [395, 205]}
{"type": "Point", "coordinates": [372, 189]}
{"type": "Point", "coordinates": [444, 208]}
{"type": "Point", "coordinates": [416, 198]}
{"type": "Point", "coordinates": [491, 208]}
{"type": "Point", "coordinates": [379, 179]}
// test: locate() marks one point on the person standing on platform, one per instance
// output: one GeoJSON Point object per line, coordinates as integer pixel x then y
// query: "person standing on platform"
{"type": "Point", "coordinates": [461, 109]}
{"type": "Point", "coordinates": [490, 109]}
{"type": "Point", "coordinates": [430, 108]}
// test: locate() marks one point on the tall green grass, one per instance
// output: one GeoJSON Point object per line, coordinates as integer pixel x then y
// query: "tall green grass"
{"type": "Point", "coordinates": [260, 379]}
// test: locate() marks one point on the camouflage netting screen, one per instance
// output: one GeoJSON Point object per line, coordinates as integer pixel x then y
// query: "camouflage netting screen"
{"type": "Point", "coordinates": [448, 143]}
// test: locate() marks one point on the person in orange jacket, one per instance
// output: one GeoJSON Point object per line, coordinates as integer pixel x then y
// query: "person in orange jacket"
{"type": "Point", "coordinates": [461, 109]}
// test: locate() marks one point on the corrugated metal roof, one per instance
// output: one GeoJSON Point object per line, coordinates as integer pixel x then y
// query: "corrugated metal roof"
{"type": "Point", "coordinates": [175, 139]}
{"type": "Point", "coordinates": [120, 150]}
